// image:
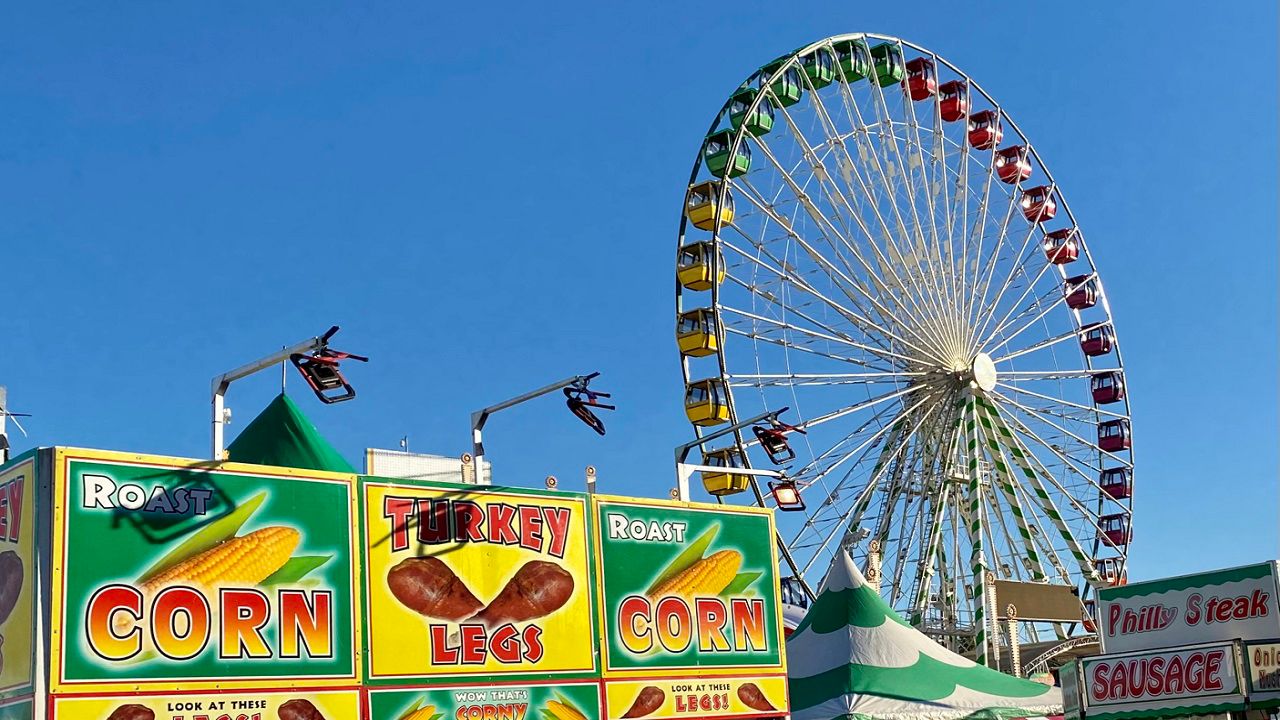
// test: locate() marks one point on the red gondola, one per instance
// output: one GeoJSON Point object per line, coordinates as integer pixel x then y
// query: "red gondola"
{"type": "Point", "coordinates": [1112, 571]}
{"type": "Point", "coordinates": [1117, 483]}
{"type": "Point", "coordinates": [1062, 246]}
{"type": "Point", "coordinates": [1013, 164]}
{"type": "Point", "coordinates": [1113, 435]}
{"type": "Point", "coordinates": [1038, 204]}
{"type": "Point", "coordinates": [984, 130]}
{"type": "Point", "coordinates": [921, 80]}
{"type": "Point", "coordinates": [1097, 339]}
{"type": "Point", "coordinates": [1115, 529]}
{"type": "Point", "coordinates": [1081, 292]}
{"type": "Point", "coordinates": [1088, 611]}
{"type": "Point", "coordinates": [1107, 387]}
{"type": "Point", "coordinates": [953, 100]}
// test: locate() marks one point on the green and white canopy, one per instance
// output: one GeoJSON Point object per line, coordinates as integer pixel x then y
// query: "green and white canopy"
{"type": "Point", "coordinates": [853, 657]}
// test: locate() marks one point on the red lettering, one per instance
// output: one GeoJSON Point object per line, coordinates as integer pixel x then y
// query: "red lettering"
{"type": "Point", "coordinates": [469, 519]}
{"type": "Point", "coordinates": [433, 527]}
{"type": "Point", "coordinates": [530, 527]}
{"type": "Point", "coordinates": [441, 652]}
{"type": "Point", "coordinates": [505, 644]}
{"type": "Point", "coordinates": [533, 644]}
{"type": "Point", "coordinates": [557, 520]}
{"type": "Point", "coordinates": [501, 518]}
{"type": "Point", "coordinates": [1212, 666]}
{"type": "Point", "coordinates": [399, 510]}
{"type": "Point", "coordinates": [13, 512]}
{"type": "Point", "coordinates": [473, 650]}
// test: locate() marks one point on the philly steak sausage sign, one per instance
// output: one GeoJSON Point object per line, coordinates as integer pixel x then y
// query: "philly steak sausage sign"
{"type": "Point", "coordinates": [1208, 607]}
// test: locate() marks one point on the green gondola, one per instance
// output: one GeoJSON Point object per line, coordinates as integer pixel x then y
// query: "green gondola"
{"type": "Point", "coordinates": [888, 62]}
{"type": "Point", "coordinates": [854, 59]}
{"type": "Point", "coordinates": [758, 121]}
{"type": "Point", "coordinates": [820, 66]}
{"type": "Point", "coordinates": [716, 150]}
{"type": "Point", "coordinates": [787, 87]}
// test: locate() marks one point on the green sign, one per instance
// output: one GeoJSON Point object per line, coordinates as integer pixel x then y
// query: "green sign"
{"type": "Point", "coordinates": [686, 586]}
{"type": "Point", "coordinates": [486, 701]}
{"type": "Point", "coordinates": [168, 573]}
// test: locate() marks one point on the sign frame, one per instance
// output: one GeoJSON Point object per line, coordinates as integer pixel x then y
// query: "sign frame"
{"type": "Point", "coordinates": [1188, 609]}
{"type": "Point", "coordinates": [1183, 704]}
{"type": "Point", "coordinates": [610, 671]}
{"type": "Point", "coordinates": [373, 679]}
{"type": "Point", "coordinates": [58, 684]}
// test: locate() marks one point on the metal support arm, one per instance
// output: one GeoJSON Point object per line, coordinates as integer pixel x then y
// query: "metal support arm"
{"type": "Point", "coordinates": [222, 382]}
{"type": "Point", "coordinates": [480, 417]}
{"type": "Point", "coordinates": [684, 471]}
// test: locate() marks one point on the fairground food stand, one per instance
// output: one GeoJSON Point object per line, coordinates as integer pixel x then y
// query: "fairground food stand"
{"type": "Point", "coordinates": [138, 587]}
{"type": "Point", "coordinates": [1196, 645]}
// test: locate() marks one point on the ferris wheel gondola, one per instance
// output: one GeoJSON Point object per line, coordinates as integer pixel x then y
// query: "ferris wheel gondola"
{"type": "Point", "coordinates": [868, 238]}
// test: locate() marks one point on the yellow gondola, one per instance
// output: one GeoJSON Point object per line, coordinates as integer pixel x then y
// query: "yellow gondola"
{"type": "Point", "coordinates": [693, 266]}
{"type": "Point", "coordinates": [706, 403]}
{"type": "Point", "coordinates": [724, 483]}
{"type": "Point", "coordinates": [700, 205]}
{"type": "Point", "coordinates": [696, 333]}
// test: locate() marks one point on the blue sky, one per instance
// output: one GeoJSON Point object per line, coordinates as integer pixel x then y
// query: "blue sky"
{"type": "Point", "coordinates": [486, 198]}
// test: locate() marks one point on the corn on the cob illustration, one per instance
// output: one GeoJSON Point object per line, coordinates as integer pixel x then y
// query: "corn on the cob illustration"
{"type": "Point", "coordinates": [708, 576]}
{"type": "Point", "coordinates": [247, 560]}
{"type": "Point", "coordinates": [560, 711]}
{"type": "Point", "coordinates": [423, 713]}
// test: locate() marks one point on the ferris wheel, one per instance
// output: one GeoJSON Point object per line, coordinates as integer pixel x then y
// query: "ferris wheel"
{"type": "Point", "coordinates": [869, 241]}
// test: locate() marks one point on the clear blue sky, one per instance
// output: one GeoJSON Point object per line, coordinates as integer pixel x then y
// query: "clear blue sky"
{"type": "Point", "coordinates": [486, 196]}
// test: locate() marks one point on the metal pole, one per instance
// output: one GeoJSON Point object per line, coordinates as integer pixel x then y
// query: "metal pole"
{"type": "Point", "coordinates": [1015, 652]}
{"type": "Point", "coordinates": [682, 451]}
{"type": "Point", "coordinates": [480, 417]}
{"type": "Point", "coordinates": [222, 382]}
{"type": "Point", "coordinates": [4, 415]}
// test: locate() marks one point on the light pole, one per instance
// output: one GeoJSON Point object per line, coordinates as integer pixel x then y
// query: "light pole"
{"type": "Point", "coordinates": [222, 415]}
{"type": "Point", "coordinates": [685, 471]}
{"type": "Point", "coordinates": [578, 385]}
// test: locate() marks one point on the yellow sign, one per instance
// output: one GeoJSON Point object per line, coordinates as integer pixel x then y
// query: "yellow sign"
{"type": "Point", "coordinates": [697, 697]}
{"type": "Point", "coordinates": [475, 582]}
{"type": "Point", "coordinates": [18, 486]}
{"type": "Point", "coordinates": [221, 705]}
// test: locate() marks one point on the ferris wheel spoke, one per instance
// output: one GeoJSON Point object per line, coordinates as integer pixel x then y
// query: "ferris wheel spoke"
{"type": "Point", "coordinates": [1071, 465]}
{"type": "Point", "coordinates": [1009, 317]}
{"type": "Point", "coordinates": [855, 117]}
{"type": "Point", "coordinates": [1008, 338]}
{"type": "Point", "coordinates": [1053, 374]}
{"type": "Point", "coordinates": [1097, 411]}
{"type": "Point", "coordinates": [1023, 255]}
{"type": "Point", "coordinates": [1049, 342]}
{"type": "Point", "coordinates": [839, 279]}
{"type": "Point", "coordinates": [830, 335]}
{"type": "Point", "coordinates": [1042, 416]}
{"type": "Point", "coordinates": [826, 229]}
{"type": "Point", "coordinates": [874, 331]}
{"type": "Point", "coordinates": [863, 500]}
{"type": "Point", "coordinates": [983, 283]}
{"type": "Point", "coordinates": [770, 380]}
{"type": "Point", "coordinates": [835, 140]}
{"type": "Point", "coordinates": [904, 170]}
{"type": "Point", "coordinates": [928, 183]}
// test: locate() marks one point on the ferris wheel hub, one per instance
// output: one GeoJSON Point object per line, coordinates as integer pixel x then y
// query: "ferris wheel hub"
{"type": "Point", "coordinates": [984, 372]}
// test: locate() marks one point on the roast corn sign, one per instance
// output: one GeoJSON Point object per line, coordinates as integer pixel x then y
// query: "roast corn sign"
{"type": "Point", "coordinates": [169, 575]}
{"type": "Point", "coordinates": [475, 581]}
